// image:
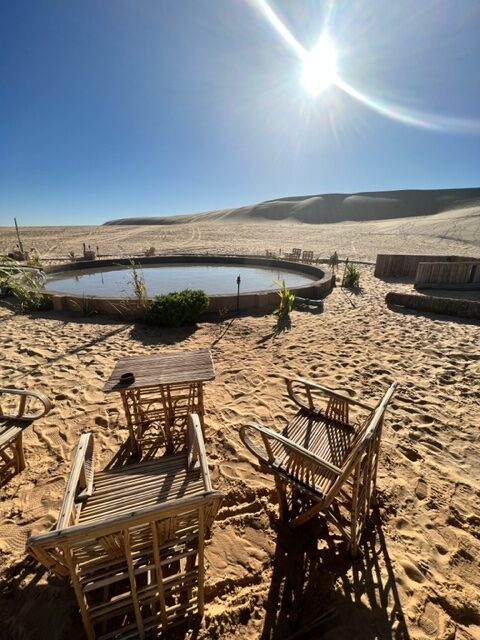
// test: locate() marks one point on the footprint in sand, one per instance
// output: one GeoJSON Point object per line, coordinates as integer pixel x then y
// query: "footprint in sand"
{"type": "Point", "coordinates": [413, 572]}
{"type": "Point", "coordinates": [429, 620]}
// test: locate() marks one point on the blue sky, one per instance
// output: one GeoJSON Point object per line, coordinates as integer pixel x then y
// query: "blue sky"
{"type": "Point", "coordinates": [116, 108]}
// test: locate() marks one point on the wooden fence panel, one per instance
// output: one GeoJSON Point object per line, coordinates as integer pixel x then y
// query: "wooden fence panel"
{"type": "Point", "coordinates": [405, 266]}
{"type": "Point", "coordinates": [462, 275]}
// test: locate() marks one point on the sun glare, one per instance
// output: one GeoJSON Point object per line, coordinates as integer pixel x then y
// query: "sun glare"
{"type": "Point", "coordinates": [319, 67]}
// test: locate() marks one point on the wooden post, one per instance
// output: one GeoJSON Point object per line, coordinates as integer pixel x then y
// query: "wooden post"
{"type": "Point", "coordinates": [344, 272]}
{"type": "Point", "coordinates": [20, 244]}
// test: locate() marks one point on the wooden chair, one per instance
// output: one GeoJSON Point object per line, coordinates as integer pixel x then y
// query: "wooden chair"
{"type": "Point", "coordinates": [325, 460]}
{"type": "Point", "coordinates": [132, 539]}
{"type": "Point", "coordinates": [18, 409]}
{"type": "Point", "coordinates": [295, 255]}
{"type": "Point", "coordinates": [307, 257]}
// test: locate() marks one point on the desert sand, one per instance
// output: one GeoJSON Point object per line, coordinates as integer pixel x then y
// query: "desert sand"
{"type": "Point", "coordinates": [419, 573]}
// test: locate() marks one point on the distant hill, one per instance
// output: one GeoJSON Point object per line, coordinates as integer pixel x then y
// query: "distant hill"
{"type": "Point", "coordinates": [331, 207]}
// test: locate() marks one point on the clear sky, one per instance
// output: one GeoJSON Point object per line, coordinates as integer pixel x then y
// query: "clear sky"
{"type": "Point", "coordinates": [117, 108]}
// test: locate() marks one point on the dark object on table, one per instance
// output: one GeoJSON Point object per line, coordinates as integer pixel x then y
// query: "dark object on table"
{"type": "Point", "coordinates": [127, 378]}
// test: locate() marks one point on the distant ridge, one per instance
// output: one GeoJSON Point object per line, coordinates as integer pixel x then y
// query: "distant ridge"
{"type": "Point", "coordinates": [331, 207]}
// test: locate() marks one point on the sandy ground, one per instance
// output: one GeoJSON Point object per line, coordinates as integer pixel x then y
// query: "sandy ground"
{"type": "Point", "coordinates": [419, 573]}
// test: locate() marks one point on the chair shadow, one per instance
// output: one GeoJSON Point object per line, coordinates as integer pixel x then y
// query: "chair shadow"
{"type": "Point", "coordinates": [124, 456]}
{"type": "Point", "coordinates": [324, 593]}
{"type": "Point", "coordinates": [36, 605]}
{"type": "Point", "coordinates": [31, 602]}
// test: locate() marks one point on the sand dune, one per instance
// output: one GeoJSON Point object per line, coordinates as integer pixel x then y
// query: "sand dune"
{"type": "Point", "coordinates": [454, 231]}
{"type": "Point", "coordinates": [331, 208]}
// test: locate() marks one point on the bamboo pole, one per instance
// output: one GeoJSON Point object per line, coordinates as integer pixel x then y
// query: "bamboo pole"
{"type": "Point", "coordinates": [20, 244]}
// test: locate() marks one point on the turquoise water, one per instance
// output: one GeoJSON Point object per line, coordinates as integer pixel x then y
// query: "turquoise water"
{"type": "Point", "coordinates": [212, 278]}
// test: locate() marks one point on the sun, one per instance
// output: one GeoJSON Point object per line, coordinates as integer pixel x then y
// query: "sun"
{"type": "Point", "coordinates": [319, 67]}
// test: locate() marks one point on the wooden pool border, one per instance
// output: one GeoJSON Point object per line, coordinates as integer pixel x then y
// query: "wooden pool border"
{"type": "Point", "coordinates": [255, 302]}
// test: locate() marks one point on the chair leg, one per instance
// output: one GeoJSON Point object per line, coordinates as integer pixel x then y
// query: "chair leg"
{"type": "Point", "coordinates": [12, 456]}
{"type": "Point", "coordinates": [19, 455]}
{"type": "Point", "coordinates": [282, 498]}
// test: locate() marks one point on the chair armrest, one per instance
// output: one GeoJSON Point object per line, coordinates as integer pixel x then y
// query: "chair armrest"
{"type": "Point", "coordinates": [24, 395]}
{"type": "Point", "coordinates": [268, 458]}
{"type": "Point", "coordinates": [308, 384]}
{"type": "Point", "coordinates": [79, 483]}
{"type": "Point", "coordinates": [196, 448]}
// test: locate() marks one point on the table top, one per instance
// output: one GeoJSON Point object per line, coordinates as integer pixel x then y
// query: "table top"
{"type": "Point", "coordinates": [168, 367]}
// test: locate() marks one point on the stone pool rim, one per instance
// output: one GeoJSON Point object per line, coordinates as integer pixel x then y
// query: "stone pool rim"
{"type": "Point", "coordinates": [256, 301]}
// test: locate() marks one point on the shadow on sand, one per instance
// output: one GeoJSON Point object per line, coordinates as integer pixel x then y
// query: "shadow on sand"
{"type": "Point", "coordinates": [431, 315]}
{"type": "Point", "coordinates": [325, 594]}
{"type": "Point", "coordinates": [314, 594]}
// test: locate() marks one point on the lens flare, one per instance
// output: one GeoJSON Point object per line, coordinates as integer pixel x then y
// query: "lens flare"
{"type": "Point", "coordinates": [320, 71]}
{"type": "Point", "coordinates": [319, 67]}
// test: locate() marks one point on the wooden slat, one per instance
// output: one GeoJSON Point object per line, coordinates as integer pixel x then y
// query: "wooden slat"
{"type": "Point", "coordinates": [80, 532]}
{"type": "Point", "coordinates": [84, 449]}
{"type": "Point", "coordinates": [196, 435]}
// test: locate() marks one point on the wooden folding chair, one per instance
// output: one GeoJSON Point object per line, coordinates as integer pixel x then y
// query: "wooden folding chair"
{"type": "Point", "coordinates": [132, 540]}
{"type": "Point", "coordinates": [325, 461]}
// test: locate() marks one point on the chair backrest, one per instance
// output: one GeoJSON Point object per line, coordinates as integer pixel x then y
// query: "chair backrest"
{"type": "Point", "coordinates": [297, 252]}
{"type": "Point", "coordinates": [366, 443]}
{"type": "Point", "coordinates": [136, 571]}
{"type": "Point", "coordinates": [307, 256]}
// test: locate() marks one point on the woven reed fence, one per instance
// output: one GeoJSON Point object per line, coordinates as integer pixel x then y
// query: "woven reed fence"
{"type": "Point", "coordinates": [397, 266]}
{"type": "Point", "coordinates": [448, 275]}
{"type": "Point", "coordinates": [445, 306]}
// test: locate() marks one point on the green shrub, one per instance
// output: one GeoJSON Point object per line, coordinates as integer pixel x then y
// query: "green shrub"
{"type": "Point", "coordinates": [178, 308]}
{"type": "Point", "coordinates": [351, 277]}
{"type": "Point", "coordinates": [287, 300]}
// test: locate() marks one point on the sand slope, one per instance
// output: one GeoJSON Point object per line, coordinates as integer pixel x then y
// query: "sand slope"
{"type": "Point", "coordinates": [419, 574]}
{"type": "Point", "coordinates": [331, 208]}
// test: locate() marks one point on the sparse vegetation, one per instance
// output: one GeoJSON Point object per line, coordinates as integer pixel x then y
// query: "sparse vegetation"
{"type": "Point", "coordinates": [8, 267]}
{"type": "Point", "coordinates": [28, 291]}
{"type": "Point", "coordinates": [33, 259]}
{"type": "Point", "coordinates": [139, 288]}
{"type": "Point", "coordinates": [84, 307]}
{"type": "Point", "coordinates": [178, 308]}
{"type": "Point", "coordinates": [351, 277]}
{"type": "Point", "coordinates": [287, 300]}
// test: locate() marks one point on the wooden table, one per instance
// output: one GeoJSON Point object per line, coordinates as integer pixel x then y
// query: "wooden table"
{"type": "Point", "coordinates": [167, 387]}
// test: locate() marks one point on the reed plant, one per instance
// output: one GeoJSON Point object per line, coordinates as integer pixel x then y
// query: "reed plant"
{"type": "Point", "coordinates": [137, 281]}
